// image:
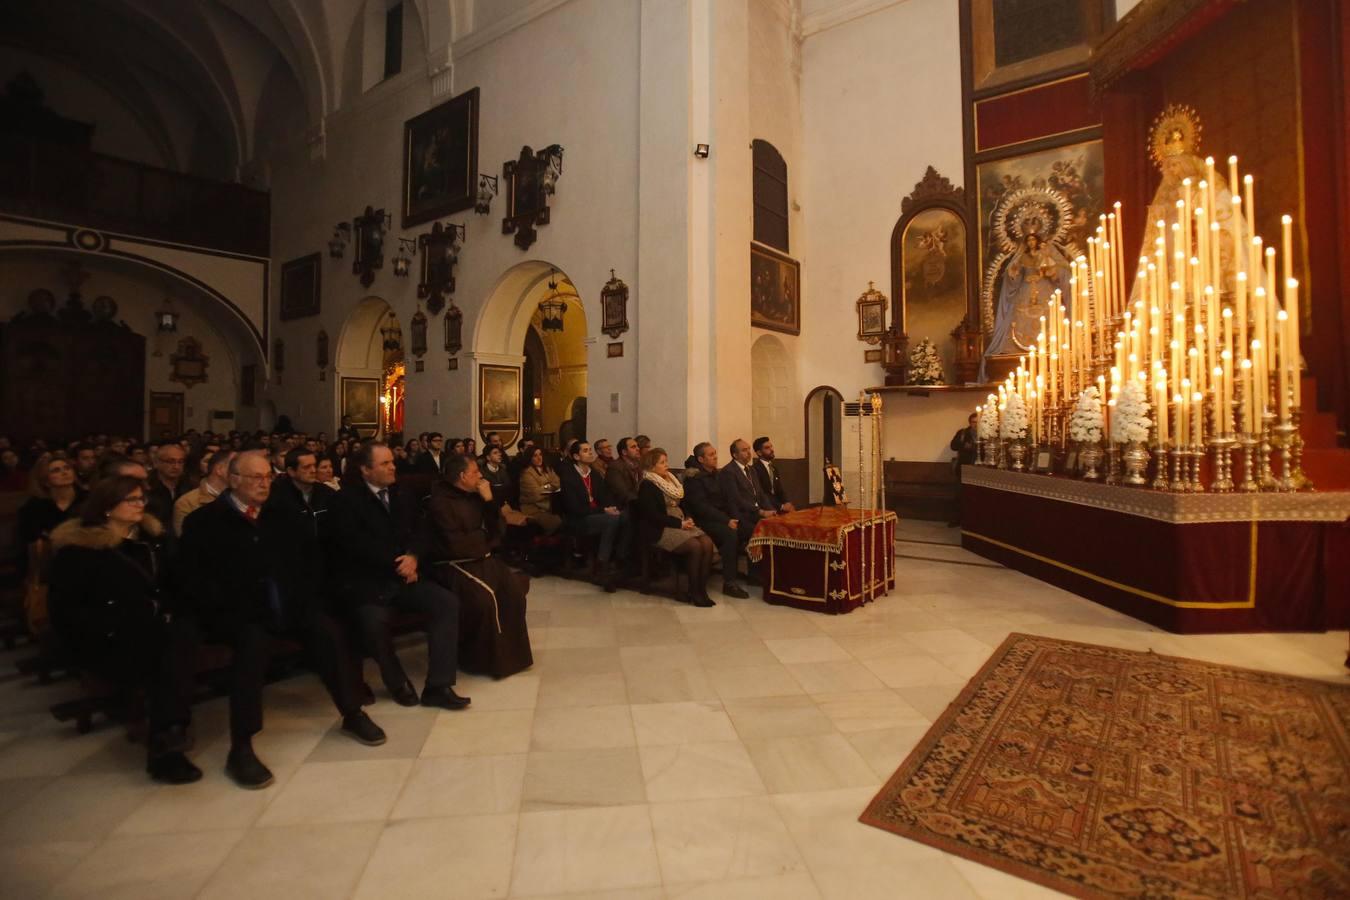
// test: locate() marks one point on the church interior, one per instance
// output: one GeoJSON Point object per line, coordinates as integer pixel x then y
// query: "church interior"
{"type": "Point", "coordinates": [1021, 328]}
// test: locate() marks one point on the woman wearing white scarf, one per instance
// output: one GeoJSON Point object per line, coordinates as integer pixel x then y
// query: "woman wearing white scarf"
{"type": "Point", "coordinates": [661, 523]}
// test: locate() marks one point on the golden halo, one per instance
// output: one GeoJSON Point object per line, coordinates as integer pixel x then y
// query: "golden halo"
{"type": "Point", "coordinates": [1175, 132]}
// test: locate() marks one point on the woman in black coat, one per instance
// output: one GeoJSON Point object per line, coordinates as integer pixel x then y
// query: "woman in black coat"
{"type": "Point", "coordinates": [108, 600]}
{"type": "Point", "coordinates": [662, 523]}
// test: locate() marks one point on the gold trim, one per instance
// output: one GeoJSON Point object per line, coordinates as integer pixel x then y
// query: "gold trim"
{"type": "Point", "coordinates": [1249, 603]}
{"type": "Point", "coordinates": [1086, 130]}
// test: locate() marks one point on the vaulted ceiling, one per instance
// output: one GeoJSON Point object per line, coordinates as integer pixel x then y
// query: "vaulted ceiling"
{"type": "Point", "coordinates": [211, 81]}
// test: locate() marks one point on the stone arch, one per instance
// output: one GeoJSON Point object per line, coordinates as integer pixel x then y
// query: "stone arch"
{"type": "Point", "coordinates": [510, 313]}
{"type": "Point", "coordinates": [360, 348]}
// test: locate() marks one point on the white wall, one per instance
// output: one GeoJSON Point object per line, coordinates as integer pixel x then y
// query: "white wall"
{"type": "Point", "coordinates": [580, 90]}
{"type": "Point", "coordinates": [138, 298]}
{"type": "Point", "coordinates": [881, 101]}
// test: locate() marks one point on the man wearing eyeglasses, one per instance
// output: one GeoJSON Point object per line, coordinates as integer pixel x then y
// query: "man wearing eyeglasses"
{"type": "Point", "coordinates": [252, 575]}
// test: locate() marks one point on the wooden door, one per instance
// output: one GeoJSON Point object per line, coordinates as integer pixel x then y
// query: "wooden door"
{"type": "Point", "coordinates": [166, 415]}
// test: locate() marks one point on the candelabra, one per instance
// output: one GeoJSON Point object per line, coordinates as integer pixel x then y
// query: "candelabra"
{"type": "Point", "coordinates": [1283, 441]}
{"type": "Point", "coordinates": [1178, 455]}
{"type": "Point", "coordinates": [1160, 468]}
{"type": "Point", "coordinates": [1112, 464]}
{"type": "Point", "coordinates": [1265, 477]}
{"type": "Point", "coordinates": [1249, 444]}
{"type": "Point", "coordinates": [1222, 445]}
{"type": "Point", "coordinates": [1301, 481]}
{"type": "Point", "coordinates": [1194, 484]}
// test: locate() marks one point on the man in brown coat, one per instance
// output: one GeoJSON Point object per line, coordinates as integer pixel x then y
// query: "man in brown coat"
{"type": "Point", "coordinates": [624, 476]}
{"type": "Point", "coordinates": [466, 524]}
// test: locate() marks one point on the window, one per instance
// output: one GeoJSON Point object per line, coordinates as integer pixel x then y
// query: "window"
{"type": "Point", "coordinates": [393, 40]}
{"type": "Point", "coordinates": [770, 196]}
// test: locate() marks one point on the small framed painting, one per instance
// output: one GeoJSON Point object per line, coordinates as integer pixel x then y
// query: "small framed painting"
{"type": "Point", "coordinates": [361, 401]}
{"type": "Point", "coordinates": [300, 288]}
{"type": "Point", "coordinates": [499, 396]}
{"type": "Point", "coordinates": [615, 350]}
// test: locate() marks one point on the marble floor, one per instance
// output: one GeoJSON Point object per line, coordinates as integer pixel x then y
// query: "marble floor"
{"type": "Point", "coordinates": [654, 751]}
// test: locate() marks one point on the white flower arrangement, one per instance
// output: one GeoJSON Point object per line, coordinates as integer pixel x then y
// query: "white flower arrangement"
{"type": "Point", "coordinates": [1129, 417]}
{"type": "Point", "coordinates": [987, 424]}
{"type": "Point", "coordinates": [925, 366]}
{"type": "Point", "coordinates": [1014, 424]}
{"type": "Point", "coordinates": [1086, 423]}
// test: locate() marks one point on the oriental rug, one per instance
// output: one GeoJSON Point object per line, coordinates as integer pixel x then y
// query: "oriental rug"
{"type": "Point", "coordinates": [1112, 773]}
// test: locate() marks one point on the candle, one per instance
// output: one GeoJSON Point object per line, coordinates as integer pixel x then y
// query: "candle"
{"type": "Point", "coordinates": [1272, 304]}
{"type": "Point", "coordinates": [1211, 328]}
{"type": "Point", "coordinates": [1240, 300]}
{"type": "Point", "coordinates": [1202, 243]}
{"type": "Point", "coordinates": [1184, 216]}
{"type": "Point", "coordinates": [1114, 218]}
{"type": "Point", "coordinates": [1208, 183]}
{"type": "Point", "coordinates": [1282, 362]}
{"type": "Point", "coordinates": [1251, 202]}
{"type": "Point", "coordinates": [1216, 258]}
{"type": "Point", "coordinates": [1287, 246]}
{"type": "Point", "coordinates": [1226, 406]}
{"type": "Point", "coordinates": [1161, 404]}
{"type": "Point", "coordinates": [1184, 422]}
{"type": "Point", "coordinates": [1239, 248]}
{"type": "Point", "coordinates": [1248, 401]}
{"type": "Point", "coordinates": [1295, 356]}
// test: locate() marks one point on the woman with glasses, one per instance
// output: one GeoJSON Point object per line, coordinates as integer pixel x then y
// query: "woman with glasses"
{"type": "Point", "coordinates": [109, 604]}
{"type": "Point", "coordinates": [56, 497]}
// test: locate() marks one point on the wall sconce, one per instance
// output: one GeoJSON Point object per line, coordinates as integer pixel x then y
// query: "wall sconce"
{"type": "Point", "coordinates": [370, 229]}
{"type": "Point", "coordinates": [440, 253]}
{"type": "Point", "coordinates": [614, 306]}
{"type": "Point", "coordinates": [553, 158]}
{"type": "Point", "coordinates": [391, 334]}
{"type": "Point", "coordinates": [166, 319]}
{"type": "Point", "coordinates": [342, 235]}
{"type": "Point", "coordinates": [321, 356]}
{"type": "Point", "coordinates": [871, 306]}
{"type": "Point", "coordinates": [702, 150]}
{"type": "Point", "coordinates": [419, 334]}
{"type": "Point", "coordinates": [402, 260]}
{"type": "Point", "coordinates": [553, 307]}
{"type": "Point", "coordinates": [454, 327]}
{"type": "Point", "coordinates": [487, 189]}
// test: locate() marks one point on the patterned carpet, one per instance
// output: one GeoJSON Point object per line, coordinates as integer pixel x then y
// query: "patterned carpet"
{"type": "Point", "coordinates": [1112, 773]}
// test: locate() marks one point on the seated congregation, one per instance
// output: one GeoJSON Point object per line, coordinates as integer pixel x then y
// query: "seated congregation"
{"type": "Point", "coordinates": [142, 557]}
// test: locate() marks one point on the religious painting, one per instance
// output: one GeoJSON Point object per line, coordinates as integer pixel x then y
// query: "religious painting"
{"type": "Point", "coordinates": [499, 397]}
{"type": "Point", "coordinates": [1036, 214]}
{"type": "Point", "coordinates": [300, 288]}
{"type": "Point", "coordinates": [440, 160]}
{"type": "Point", "coordinates": [933, 272]}
{"type": "Point", "coordinates": [1013, 40]}
{"type": "Point", "coordinates": [775, 291]}
{"type": "Point", "coordinates": [361, 401]}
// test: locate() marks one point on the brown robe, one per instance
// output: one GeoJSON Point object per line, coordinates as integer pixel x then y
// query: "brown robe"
{"type": "Point", "coordinates": [493, 637]}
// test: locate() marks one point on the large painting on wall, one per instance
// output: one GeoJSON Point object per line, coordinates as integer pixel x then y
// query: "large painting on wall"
{"type": "Point", "coordinates": [933, 298]}
{"type": "Point", "coordinates": [440, 160]}
{"type": "Point", "coordinates": [361, 401]}
{"type": "Point", "coordinates": [775, 291]}
{"type": "Point", "coordinates": [300, 287]}
{"type": "Point", "coordinates": [1036, 213]}
{"type": "Point", "coordinates": [1012, 40]}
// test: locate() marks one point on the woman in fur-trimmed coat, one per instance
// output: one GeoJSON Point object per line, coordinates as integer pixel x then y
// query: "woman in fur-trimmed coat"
{"type": "Point", "coordinates": [108, 603]}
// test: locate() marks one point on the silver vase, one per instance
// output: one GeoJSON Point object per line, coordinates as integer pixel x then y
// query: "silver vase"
{"type": "Point", "coordinates": [1091, 458]}
{"type": "Point", "coordinates": [1017, 452]}
{"type": "Point", "coordinates": [1135, 460]}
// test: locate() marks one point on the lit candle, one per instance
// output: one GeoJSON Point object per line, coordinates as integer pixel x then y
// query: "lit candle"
{"type": "Point", "coordinates": [1183, 423]}
{"type": "Point", "coordinates": [1114, 218]}
{"type": "Point", "coordinates": [1295, 355]}
{"type": "Point", "coordinates": [1211, 328]}
{"type": "Point", "coordinates": [1202, 244]}
{"type": "Point", "coordinates": [1248, 401]}
{"type": "Point", "coordinates": [1161, 405]}
{"type": "Point", "coordinates": [1287, 246]}
{"type": "Point", "coordinates": [1209, 183]}
{"type": "Point", "coordinates": [1184, 216]}
{"type": "Point", "coordinates": [1272, 304]}
{"type": "Point", "coordinates": [1251, 202]}
{"type": "Point", "coordinates": [1178, 410]}
{"type": "Point", "coordinates": [1240, 300]}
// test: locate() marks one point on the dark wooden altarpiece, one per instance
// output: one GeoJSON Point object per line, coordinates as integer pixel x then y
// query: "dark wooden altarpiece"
{"type": "Point", "coordinates": [55, 373]}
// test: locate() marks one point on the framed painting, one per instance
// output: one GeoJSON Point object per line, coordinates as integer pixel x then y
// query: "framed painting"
{"type": "Point", "coordinates": [300, 287]}
{"type": "Point", "coordinates": [361, 401]}
{"type": "Point", "coordinates": [1036, 214]}
{"type": "Point", "coordinates": [1012, 41]}
{"type": "Point", "coordinates": [440, 160]}
{"type": "Point", "coordinates": [498, 397]}
{"type": "Point", "coordinates": [775, 291]}
{"type": "Point", "coordinates": [933, 292]}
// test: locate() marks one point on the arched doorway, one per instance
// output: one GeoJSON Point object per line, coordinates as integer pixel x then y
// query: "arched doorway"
{"type": "Point", "coordinates": [370, 382]}
{"type": "Point", "coordinates": [824, 434]}
{"type": "Point", "coordinates": [547, 347]}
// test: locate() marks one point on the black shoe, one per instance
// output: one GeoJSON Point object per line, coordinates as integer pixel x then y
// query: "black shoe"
{"type": "Point", "coordinates": [610, 580]}
{"type": "Point", "coordinates": [443, 698]}
{"type": "Point", "coordinates": [366, 694]}
{"type": "Point", "coordinates": [404, 695]}
{"type": "Point", "coordinates": [359, 728]}
{"type": "Point", "coordinates": [172, 768]}
{"type": "Point", "coordinates": [247, 770]}
{"type": "Point", "coordinates": [735, 590]}
{"type": "Point", "coordinates": [703, 600]}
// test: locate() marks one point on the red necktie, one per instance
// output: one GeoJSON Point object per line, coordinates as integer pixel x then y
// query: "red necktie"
{"type": "Point", "coordinates": [251, 512]}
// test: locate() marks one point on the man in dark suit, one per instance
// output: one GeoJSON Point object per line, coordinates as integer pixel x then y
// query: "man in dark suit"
{"type": "Point", "coordinates": [250, 576]}
{"type": "Point", "coordinates": [748, 503]}
{"type": "Point", "coordinates": [766, 476]}
{"type": "Point", "coordinates": [625, 474]}
{"type": "Point", "coordinates": [432, 460]}
{"type": "Point", "coordinates": [964, 443]}
{"type": "Point", "coordinates": [707, 503]}
{"type": "Point", "coordinates": [167, 483]}
{"type": "Point", "coordinates": [589, 510]}
{"type": "Point", "coordinates": [377, 546]}
{"type": "Point", "coordinates": [300, 494]}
